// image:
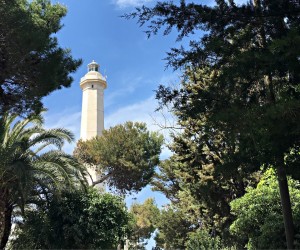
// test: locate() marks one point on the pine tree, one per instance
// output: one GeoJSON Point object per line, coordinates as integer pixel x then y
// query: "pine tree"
{"type": "Point", "coordinates": [32, 64]}
{"type": "Point", "coordinates": [252, 53]}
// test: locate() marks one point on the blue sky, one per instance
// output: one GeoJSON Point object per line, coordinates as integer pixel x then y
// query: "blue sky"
{"type": "Point", "coordinates": [133, 64]}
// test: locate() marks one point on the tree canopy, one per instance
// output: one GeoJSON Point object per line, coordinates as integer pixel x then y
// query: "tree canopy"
{"type": "Point", "coordinates": [126, 155]}
{"type": "Point", "coordinates": [74, 220]}
{"type": "Point", "coordinates": [32, 64]}
{"type": "Point", "coordinates": [145, 216]}
{"type": "Point", "coordinates": [239, 100]}
{"type": "Point", "coordinates": [258, 222]}
{"type": "Point", "coordinates": [32, 167]}
{"type": "Point", "coordinates": [173, 228]}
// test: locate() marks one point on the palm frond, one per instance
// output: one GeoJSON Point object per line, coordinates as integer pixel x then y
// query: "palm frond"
{"type": "Point", "coordinates": [27, 172]}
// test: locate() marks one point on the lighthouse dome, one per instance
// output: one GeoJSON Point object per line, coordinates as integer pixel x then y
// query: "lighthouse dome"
{"type": "Point", "coordinates": [93, 75]}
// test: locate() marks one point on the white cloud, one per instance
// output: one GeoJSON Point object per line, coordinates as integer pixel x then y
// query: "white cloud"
{"type": "Point", "coordinates": [136, 112]}
{"type": "Point", "coordinates": [130, 3]}
{"type": "Point", "coordinates": [127, 86]}
{"type": "Point", "coordinates": [144, 112]}
{"type": "Point", "coordinates": [130, 84]}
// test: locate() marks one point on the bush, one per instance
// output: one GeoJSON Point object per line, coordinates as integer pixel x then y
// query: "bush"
{"type": "Point", "coordinates": [202, 240]}
{"type": "Point", "coordinates": [75, 220]}
{"type": "Point", "coordinates": [259, 220]}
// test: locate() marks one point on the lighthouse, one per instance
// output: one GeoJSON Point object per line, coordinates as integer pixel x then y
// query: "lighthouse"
{"type": "Point", "coordinates": [92, 115]}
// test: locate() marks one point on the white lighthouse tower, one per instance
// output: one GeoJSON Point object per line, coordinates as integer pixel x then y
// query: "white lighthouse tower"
{"type": "Point", "coordinates": [92, 115]}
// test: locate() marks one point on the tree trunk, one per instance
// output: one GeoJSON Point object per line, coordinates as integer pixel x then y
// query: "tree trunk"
{"type": "Point", "coordinates": [286, 206]}
{"type": "Point", "coordinates": [6, 225]}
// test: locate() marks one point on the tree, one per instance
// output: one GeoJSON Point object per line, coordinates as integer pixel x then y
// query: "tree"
{"type": "Point", "coordinates": [173, 228]}
{"type": "Point", "coordinates": [204, 174]}
{"type": "Point", "coordinates": [165, 179]}
{"type": "Point", "coordinates": [145, 217]}
{"type": "Point", "coordinates": [202, 240]}
{"type": "Point", "coordinates": [32, 64]}
{"type": "Point", "coordinates": [126, 155]}
{"type": "Point", "coordinates": [28, 172]}
{"type": "Point", "coordinates": [252, 99]}
{"type": "Point", "coordinates": [75, 220]}
{"type": "Point", "coordinates": [258, 218]}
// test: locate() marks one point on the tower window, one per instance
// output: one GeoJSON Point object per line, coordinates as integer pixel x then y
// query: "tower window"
{"type": "Point", "coordinates": [92, 86]}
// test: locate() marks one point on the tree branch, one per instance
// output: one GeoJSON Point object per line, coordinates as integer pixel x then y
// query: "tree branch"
{"type": "Point", "coordinates": [104, 178]}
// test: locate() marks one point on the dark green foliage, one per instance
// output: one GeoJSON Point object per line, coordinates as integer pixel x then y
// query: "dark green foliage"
{"type": "Point", "coordinates": [32, 64]}
{"type": "Point", "coordinates": [126, 155]}
{"type": "Point", "coordinates": [202, 240]}
{"type": "Point", "coordinates": [241, 22]}
{"type": "Point", "coordinates": [165, 179]}
{"type": "Point", "coordinates": [173, 228]}
{"type": "Point", "coordinates": [32, 166]}
{"type": "Point", "coordinates": [259, 222]}
{"type": "Point", "coordinates": [205, 174]}
{"type": "Point", "coordinates": [75, 220]}
{"type": "Point", "coordinates": [240, 102]}
{"type": "Point", "coordinates": [144, 219]}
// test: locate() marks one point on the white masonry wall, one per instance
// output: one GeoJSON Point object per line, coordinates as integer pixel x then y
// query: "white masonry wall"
{"type": "Point", "coordinates": [92, 116]}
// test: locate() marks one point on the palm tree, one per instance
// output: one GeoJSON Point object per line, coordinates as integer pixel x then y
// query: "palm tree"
{"type": "Point", "coordinates": [32, 166]}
